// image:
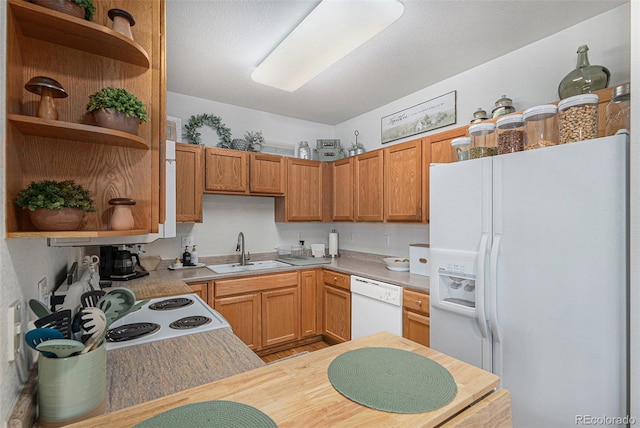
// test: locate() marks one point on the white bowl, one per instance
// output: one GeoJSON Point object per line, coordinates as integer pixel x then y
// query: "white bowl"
{"type": "Point", "coordinates": [398, 264]}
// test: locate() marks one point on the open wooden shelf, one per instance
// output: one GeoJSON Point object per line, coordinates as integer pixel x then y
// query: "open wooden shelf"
{"type": "Point", "coordinates": [76, 233]}
{"type": "Point", "coordinates": [35, 126]}
{"type": "Point", "coordinates": [56, 27]}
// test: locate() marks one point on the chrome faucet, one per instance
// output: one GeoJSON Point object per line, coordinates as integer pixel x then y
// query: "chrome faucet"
{"type": "Point", "coordinates": [240, 247]}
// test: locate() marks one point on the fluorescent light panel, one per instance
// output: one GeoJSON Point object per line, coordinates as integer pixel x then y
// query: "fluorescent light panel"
{"type": "Point", "coordinates": [330, 32]}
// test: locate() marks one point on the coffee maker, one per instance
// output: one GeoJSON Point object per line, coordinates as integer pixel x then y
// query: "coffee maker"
{"type": "Point", "coordinates": [120, 264]}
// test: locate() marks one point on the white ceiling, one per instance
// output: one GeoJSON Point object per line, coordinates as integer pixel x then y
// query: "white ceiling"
{"type": "Point", "coordinates": [214, 45]}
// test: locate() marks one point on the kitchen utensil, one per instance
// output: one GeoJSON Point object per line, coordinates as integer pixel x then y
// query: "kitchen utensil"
{"type": "Point", "coordinates": [38, 308]}
{"type": "Point", "coordinates": [60, 321]}
{"type": "Point", "coordinates": [91, 298]}
{"type": "Point", "coordinates": [138, 305]}
{"type": "Point", "coordinates": [38, 335]}
{"type": "Point", "coordinates": [117, 303]}
{"type": "Point", "coordinates": [61, 348]}
{"type": "Point", "coordinates": [94, 323]}
{"type": "Point", "coordinates": [72, 298]}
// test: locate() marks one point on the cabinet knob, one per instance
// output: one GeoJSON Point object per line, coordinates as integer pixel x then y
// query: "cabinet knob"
{"type": "Point", "coordinates": [335, 278]}
{"type": "Point", "coordinates": [419, 302]}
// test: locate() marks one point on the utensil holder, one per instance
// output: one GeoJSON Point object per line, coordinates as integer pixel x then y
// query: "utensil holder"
{"type": "Point", "coordinates": [73, 388]}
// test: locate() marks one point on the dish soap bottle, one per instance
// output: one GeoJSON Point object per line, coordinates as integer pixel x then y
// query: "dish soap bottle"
{"type": "Point", "coordinates": [194, 256]}
{"type": "Point", "coordinates": [186, 257]}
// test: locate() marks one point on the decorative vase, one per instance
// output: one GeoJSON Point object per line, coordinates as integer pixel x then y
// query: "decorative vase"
{"type": "Point", "coordinates": [113, 119]}
{"type": "Point", "coordinates": [585, 78]}
{"type": "Point", "coordinates": [56, 220]}
{"type": "Point", "coordinates": [64, 6]}
{"type": "Point", "coordinates": [122, 217]}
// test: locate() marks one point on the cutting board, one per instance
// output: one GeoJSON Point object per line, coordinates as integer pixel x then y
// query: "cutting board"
{"type": "Point", "coordinates": [306, 261]}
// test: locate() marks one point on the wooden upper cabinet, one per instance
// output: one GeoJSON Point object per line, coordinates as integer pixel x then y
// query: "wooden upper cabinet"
{"type": "Point", "coordinates": [342, 182]}
{"type": "Point", "coordinates": [403, 182]}
{"type": "Point", "coordinates": [303, 201]}
{"type": "Point", "coordinates": [440, 145]}
{"type": "Point", "coordinates": [226, 171]}
{"type": "Point", "coordinates": [84, 57]}
{"type": "Point", "coordinates": [189, 183]}
{"type": "Point", "coordinates": [267, 174]}
{"type": "Point", "coordinates": [369, 187]}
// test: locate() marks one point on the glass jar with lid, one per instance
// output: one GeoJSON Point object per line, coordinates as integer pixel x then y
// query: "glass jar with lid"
{"type": "Point", "coordinates": [483, 140]}
{"type": "Point", "coordinates": [510, 131]}
{"type": "Point", "coordinates": [462, 146]}
{"type": "Point", "coordinates": [578, 118]}
{"type": "Point", "coordinates": [619, 110]}
{"type": "Point", "coordinates": [540, 126]}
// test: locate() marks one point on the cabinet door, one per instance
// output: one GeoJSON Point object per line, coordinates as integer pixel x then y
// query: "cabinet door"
{"type": "Point", "coordinates": [201, 289]}
{"type": "Point", "coordinates": [310, 298]}
{"type": "Point", "coordinates": [226, 171]}
{"type": "Point", "coordinates": [415, 327]}
{"type": "Point", "coordinates": [280, 316]}
{"type": "Point", "coordinates": [369, 188]}
{"type": "Point", "coordinates": [442, 152]}
{"type": "Point", "coordinates": [336, 324]}
{"type": "Point", "coordinates": [403, 182]}
{"type": "Point", "coordinates": [267, 174]}
{"type": "Point", "coordinates": [189, 183]}
{"type": "Point", "coordinates": [243, 313]}
{"type": "Point", "coordinates": [304, 190]}
{"type": "Point", "coordinates": [342, 179]}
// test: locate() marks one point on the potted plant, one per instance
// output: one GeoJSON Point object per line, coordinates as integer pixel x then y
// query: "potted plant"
{"type": "Point", "coordinates": [255, 140]}
{"type": "Point", "coordinates": [78, 8]}
{"type": "Point", "coordinates": [116, 108]}
{"type": "Point", "coordinates": [55, 205]}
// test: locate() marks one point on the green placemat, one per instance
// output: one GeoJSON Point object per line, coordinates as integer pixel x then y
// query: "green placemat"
{"type": "Point", "coordinates": [218, 413]}
{"type": "Point", "coordinates": [392, 380]}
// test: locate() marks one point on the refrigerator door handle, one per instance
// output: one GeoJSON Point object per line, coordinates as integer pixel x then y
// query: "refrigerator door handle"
{"type": "Point", "coordinates": [492, 289]}
{"type": "Point", "coordinates": [481, 315]}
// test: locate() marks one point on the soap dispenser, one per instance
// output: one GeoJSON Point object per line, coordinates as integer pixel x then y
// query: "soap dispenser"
{"type": "Point", "coordinates": [186, 257]}
{"type": "Point", "coordinates": [194, 256]}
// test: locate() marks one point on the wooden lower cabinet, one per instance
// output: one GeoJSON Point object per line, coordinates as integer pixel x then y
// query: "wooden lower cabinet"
{"type": "Point", "coordinates": [263, 310]}
{"type": "Point", "coordinates": [243, 314]}
{"type": "Point", "coordinates": [415, 316]}
{"type": "Point", "coordinates": [336, 307]}
{"type": "Point", "coordinates": [310, 303]}
{"type": "Point", "coordinates": [201, 288]}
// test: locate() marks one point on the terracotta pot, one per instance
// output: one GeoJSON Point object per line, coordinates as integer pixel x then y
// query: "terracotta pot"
{"type": "Point", "coordinates": [113, 119]}
{"type": "Point", "coordinates": [64, 6]}
{"type": "Point", "coordinates": [51, 220]}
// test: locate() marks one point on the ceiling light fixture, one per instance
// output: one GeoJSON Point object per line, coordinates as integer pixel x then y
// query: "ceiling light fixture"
{"type": "Point", "coordinates": [330, 32]}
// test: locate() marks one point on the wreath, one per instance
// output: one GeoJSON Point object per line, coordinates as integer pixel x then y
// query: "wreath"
{"type": "Point", "coordinates": [195, 122]}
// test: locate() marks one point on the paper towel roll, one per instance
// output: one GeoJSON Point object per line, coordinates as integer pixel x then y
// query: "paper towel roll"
{"type": "Point", "coordinates": [333, 244]}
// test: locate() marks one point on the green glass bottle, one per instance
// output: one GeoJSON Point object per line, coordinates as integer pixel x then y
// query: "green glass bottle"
{"type": "Point", "coordinates": [585, 78]}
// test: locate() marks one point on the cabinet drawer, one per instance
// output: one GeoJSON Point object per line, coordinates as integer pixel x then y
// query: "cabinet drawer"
{"type": "Point", "coordinates": [249, 284]}
{"type": "Point", "coordinates": [339, 280]}
{"type": "Point", "coordinates": [416, 301]}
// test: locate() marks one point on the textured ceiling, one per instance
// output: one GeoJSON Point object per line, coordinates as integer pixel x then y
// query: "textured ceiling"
{"type": "Point", "coordinates": [214, 45]}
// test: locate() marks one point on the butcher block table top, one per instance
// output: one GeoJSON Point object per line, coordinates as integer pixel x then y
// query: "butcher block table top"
{"type": "Point", "coordinates": [297, 393]}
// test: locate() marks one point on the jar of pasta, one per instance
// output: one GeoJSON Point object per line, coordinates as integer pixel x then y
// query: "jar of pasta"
{"type": "Point", "coordinates": [540, 126]}
{"type": "Point", "coordinates": [483, 140]}
{"type": "Point", "coordinates": [578, 118]}
{"type": "Point", "coordinates": [510, 130]}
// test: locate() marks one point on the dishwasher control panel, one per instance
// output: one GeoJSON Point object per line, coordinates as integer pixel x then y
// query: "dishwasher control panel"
{"type": "Point", "coordinates": [377, 290]}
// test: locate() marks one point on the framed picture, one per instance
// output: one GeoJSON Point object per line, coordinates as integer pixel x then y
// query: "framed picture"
{"type": "Point", "coordinates": [429, 115]}
{"type": "Point", "coordinates": [174, 129]}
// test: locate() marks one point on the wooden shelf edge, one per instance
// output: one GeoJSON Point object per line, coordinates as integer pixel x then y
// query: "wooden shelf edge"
{"type": "Point", "coordinates": [51, 26]}
{"type": "Point", "coordinates": [76, 233]}
{"type": "Point", "coordinates": [38, 127]}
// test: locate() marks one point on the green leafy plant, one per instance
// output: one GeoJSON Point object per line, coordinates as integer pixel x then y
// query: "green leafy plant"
{"type": "Point", "coordinates": [119, 100]}
{"type": "Point", "coordinates": [54, 195]}
{"type": "Point", "coordinates": [254, 137]}
{"type": "Point", "coordinates": [89, 8]}
{"type": "Point", "coordinates": [212, 121]}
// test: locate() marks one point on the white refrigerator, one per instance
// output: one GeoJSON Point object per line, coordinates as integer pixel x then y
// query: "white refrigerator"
{"type": "Point", "coordinates": [529, 277]}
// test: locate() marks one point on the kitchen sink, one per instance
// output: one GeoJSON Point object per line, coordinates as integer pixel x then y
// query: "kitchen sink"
{"type": "Point", "coordinates": [236, 267]}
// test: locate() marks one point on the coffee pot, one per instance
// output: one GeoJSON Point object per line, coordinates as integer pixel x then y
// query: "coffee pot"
{"type": "Point", "coordinates": [124, 262]}
{"type": "Point", "coordinates": [119, 264]}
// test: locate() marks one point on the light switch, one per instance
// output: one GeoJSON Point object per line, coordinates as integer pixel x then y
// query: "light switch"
{"type": "Point", "coordinates": [15, 330]}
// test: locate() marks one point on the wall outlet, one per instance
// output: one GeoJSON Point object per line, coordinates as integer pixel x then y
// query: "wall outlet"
{"type": "Point", "coordinates": [187, 241]}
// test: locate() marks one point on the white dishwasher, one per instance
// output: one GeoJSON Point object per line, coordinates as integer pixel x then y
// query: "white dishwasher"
{"type": "Point", "coordinates": [375, 306]}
